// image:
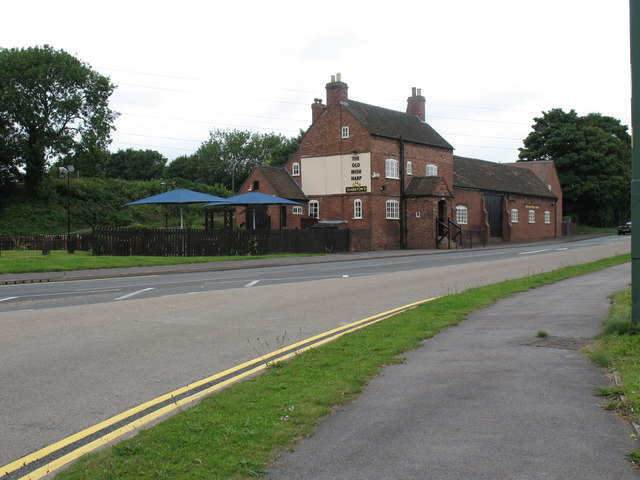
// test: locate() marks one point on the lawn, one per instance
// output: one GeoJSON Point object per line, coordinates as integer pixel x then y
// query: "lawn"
{"type": "Point", "coordinates": [26, 261]}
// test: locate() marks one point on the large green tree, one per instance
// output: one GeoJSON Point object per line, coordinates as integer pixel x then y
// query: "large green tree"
{"type": "Point", "coordinates": [592, 154]}
{"type": "Point", "coordinates": [133, 164]}
{"type": "Point", "coordinates": [228, 156]}
{"type": "Point", "coordinates": [55, 106]}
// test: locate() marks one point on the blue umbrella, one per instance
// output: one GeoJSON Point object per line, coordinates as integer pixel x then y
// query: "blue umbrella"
{"type": "Point", "coordinates": [253, 198]}
{"type": "Point", "coordinates": [178, 197]}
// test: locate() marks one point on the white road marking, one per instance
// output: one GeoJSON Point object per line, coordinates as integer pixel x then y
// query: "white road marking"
{"type": "Point", "coordinates": [561, 249]}
{"type": "Point", "coordinates": [535, 251]}
{"type": "Point", "coordinates": [7, 298]}
{"type": "Point", "coordinates": [251, 284]}
{"type": "Point", "coordinates": [129, 295]}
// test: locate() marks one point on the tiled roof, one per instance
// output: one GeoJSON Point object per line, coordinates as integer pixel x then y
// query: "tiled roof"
{"type": "Point", "coordinates": [390, 123]}
{"type": "Point", "coordinates": [422, 186]}
{"type": "Point", "coordinates": [496, 177]}
{"type": "Point", "coordinates": [283, 184]}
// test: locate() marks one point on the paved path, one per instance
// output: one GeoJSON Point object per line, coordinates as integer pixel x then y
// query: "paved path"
{"type": "Point", "coordinates": [475, 403]}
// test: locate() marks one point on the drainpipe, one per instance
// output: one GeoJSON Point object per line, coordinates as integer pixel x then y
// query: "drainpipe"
{"type": "Point", "coordinates": [403, 202]}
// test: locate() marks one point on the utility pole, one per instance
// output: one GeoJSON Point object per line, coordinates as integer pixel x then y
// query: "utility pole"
{"type": "Point", "coordinates": [634, 20]}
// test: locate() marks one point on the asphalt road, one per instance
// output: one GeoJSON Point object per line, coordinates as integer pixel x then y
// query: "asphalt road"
{"type": "Point", "coordinates": [65, 368]}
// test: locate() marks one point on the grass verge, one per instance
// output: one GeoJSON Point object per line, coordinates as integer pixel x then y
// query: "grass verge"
{"type": "Point", "coordinates": [234, 433]}
{"type": "Point", "coordinates": [29, 261]}
{"type": "Point", "coordinates": [618, 348]}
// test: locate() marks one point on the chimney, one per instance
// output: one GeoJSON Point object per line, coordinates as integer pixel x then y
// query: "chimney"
{"type": "Point", "coordinates": [336, 91]}
{"type": "Point", "coordinates": [416, 104]}
{"type": "Point", "coordinates": [316, 109]}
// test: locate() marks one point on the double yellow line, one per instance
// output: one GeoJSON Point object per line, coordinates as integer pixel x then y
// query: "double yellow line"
{"type": "Point", "coordinates": [46, 460]}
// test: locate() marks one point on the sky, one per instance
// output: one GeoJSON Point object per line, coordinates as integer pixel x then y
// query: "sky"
{"type": "Point", "coordinates": [487, 69]}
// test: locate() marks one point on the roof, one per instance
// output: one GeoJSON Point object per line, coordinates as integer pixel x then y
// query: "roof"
{"type": "Point", "coordinates": [393, 124]}
{"type": "Point", "coordinates": [545, 169]}
{"type": "Point", "coordinates": [496, 177]}
{"type": "Point", "coordinates": [282, 183]}
{"type": "Point", "coordinates": [422, 186]}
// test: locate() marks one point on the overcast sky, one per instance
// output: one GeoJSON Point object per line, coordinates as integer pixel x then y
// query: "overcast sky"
{"type": "Point", "coordinates": [486, 68]}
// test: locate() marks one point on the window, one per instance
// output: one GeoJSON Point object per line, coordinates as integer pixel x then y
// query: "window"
{"type": "Point", "coordinates": [409, 168]}
{"type": "Point", "coordinates": [295, 169]}
{"type": "Point", "coordinates": [314, 209]}
{"type": "Point", "coordinates": [432, 170]}
{"type": "Point", "coordinates": [393, 210]}
{"type": "Point", "coordinates": [462, 215]}
{"type": "Point", "coordinates": [391, 168]}
{"type": "Point", "coordinates": [514, 215]}
{"type": "Point", "coordinates": [547, 217]}
{"type": "Point", "coordinates": [297, 210]}
{"type": "Point", "coordinates": [256, 185]}
{"type": "Point", "coordinates": [345, 132]}
{"type": "Point", "coordinates": [532, 216]}
{"type": "Point", "coordinates": [357, 208]}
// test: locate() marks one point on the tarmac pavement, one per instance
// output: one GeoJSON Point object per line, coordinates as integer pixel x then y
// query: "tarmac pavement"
{"type": "Point", "coordinates": [479, 401]}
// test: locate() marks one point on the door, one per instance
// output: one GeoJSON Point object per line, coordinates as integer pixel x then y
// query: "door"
{"type": "Point", "coordinates": [442, 216]}
{"type": "Point", "coordinates": [494, 214]}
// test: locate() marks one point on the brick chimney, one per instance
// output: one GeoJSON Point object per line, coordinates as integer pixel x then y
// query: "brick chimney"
{"type": "Point", "coordinates": [416, 104]}
{"type": "Point", "coordinates": [316, 109]}
{"type": "Point", "coordinates": [336, 91]}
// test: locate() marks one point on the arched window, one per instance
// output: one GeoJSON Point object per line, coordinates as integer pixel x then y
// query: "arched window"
{"type": "Point", "coordinates": [357, 208]}
{"type": "Point", "coordinates": [314, 209]}
{"type": "Point", "coordinates": [391, 168]}
{"type": "Point", "coordinates": [432, 170]}
{"type": "Point", "coordinates": [462, 215]}
{"type": "Point", "coordinates": [532, 216]}
{"type": "Point", "coordinates": [393, 210]}
{"type": "Point", "coordinates": [547, 217]}
{"type": "Point", "coordinates": [409, 168]}
{"type": "Point", "coordinates": [295, 169]}
{"type": "Point", "coordinates": [514, 215]}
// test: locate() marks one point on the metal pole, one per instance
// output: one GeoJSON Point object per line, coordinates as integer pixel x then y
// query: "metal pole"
{"type": "Point", "coordinates": [68, 202]}
{"type": "Point", "coordinates": [634, 17]}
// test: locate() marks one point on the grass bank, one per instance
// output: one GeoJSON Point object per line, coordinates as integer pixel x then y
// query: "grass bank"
{"type": "Point", "coordinates": [618, 349]}
{"type": "Point", "coordinates": [236, 432]}
{"type": "Point", "coordinates": [27, 261]}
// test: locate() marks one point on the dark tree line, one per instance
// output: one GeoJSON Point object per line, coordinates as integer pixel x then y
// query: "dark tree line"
{"type": "Point", "coordinates": [592, 154]}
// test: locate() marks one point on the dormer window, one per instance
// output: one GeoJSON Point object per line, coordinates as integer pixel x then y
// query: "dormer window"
{"type": "Point", "coordinates": [345, 132]}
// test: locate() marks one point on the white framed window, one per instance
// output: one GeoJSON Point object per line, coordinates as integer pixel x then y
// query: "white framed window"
{"type": "Point", "coordinates": [409, 168]}
{"type": "Point", "coordinates": [514, 215]}
{"type": "Point", "coordinates": [547, 217]}
{"type": "Point", "coordinates": [295, 169]}
{"type": "Point", "coordinates": [391, 168]}
{"type": "Point", "coordinates": [462, 215]}
{"type": "Point", "coordinates": [393, 210]}
{"type": "Point", "coordinates": [357, 208]}
{"type": "Point", "coordinates": [345, 132]}
{"type": "Point", "coordinates": [314, 209]}
{"type": "Point", "coordinates": [532, 216]}
{"type": "Point", "coordinates": [297, 210]}
{"type": "Point", "coordinates": [432, 170]}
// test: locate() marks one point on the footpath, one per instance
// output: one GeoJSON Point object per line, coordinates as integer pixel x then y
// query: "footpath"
{"type": "Point", "coordinates": [481, 401]}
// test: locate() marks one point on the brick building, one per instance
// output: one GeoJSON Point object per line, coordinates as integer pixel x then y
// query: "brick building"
{"type": "Point", "coordinates": [394, 181]}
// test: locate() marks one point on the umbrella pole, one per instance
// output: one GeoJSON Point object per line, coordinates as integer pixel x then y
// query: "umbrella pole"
{"type": "Point", "coordinates": [181, 219]}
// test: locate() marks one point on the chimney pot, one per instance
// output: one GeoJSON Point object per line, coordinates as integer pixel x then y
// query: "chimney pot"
{"type": "Point", "coordinates": [333, 78]}
{"type": "Point", "coordinates": [413, 91]}
{"type": "Point", "coordinates": [338, 77]}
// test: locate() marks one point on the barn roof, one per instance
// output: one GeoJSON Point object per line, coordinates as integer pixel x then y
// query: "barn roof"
{"type": "Point", "coordinates": [496, 177]}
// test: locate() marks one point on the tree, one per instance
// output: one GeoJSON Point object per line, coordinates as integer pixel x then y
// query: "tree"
{"type": "Point", "coordinates": [228, 156]}
{"type": "Point", "coordinates": [133, 164]}
{"type": "Point", "coordinates": [592, 154]}
{"type": "Point", "coordinates": [55, 105]}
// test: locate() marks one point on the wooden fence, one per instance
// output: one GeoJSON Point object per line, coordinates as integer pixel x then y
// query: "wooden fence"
{"type": "Point", "coordinates": [191, 243]}
{"type": "Point", "coordinates": [46, 242]}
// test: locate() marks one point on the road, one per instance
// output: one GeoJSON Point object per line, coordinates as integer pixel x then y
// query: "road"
{"type": "Point", "coordinates": [76, 353]}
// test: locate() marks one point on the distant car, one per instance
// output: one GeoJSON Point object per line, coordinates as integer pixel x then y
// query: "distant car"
{"type": "Point", "coordinates": [624, 229]}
